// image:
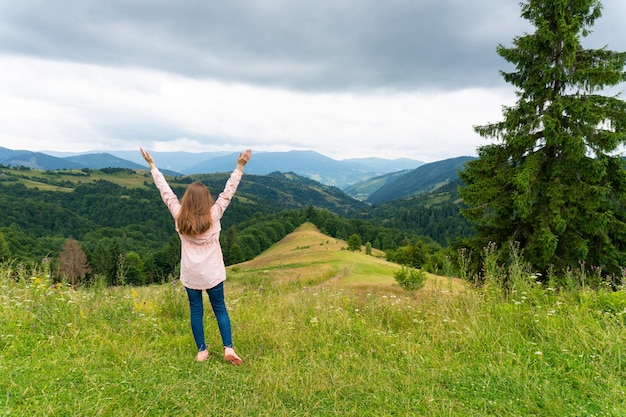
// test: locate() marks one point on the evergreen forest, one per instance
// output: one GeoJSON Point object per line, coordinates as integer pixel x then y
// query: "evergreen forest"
{"type": "Point", "coordinates": [117, 219]}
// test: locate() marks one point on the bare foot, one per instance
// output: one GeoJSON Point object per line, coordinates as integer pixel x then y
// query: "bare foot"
{"type": "Point", "coordinates": [202, 355]}
{"type": "Point", "coordinates": [231, 356]}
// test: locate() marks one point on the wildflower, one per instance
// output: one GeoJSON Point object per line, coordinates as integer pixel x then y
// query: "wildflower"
{"type": "Point", "coordinates": [538, 353]}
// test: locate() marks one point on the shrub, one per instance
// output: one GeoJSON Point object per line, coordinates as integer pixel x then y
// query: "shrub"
{"type": "Point", "coordinates": [409, 278]}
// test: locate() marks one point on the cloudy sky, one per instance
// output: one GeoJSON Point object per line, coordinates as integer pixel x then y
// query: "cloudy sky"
{"type": "Point", "coordinates": [346, 78]}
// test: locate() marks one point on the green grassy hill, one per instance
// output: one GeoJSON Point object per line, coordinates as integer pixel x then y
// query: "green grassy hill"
{"type": "Point", "coordinates": [308, 257]}
{"type": "Point", "coordinates": [68, 179]}
{"type": "Point", "coordinates": [323, 332]}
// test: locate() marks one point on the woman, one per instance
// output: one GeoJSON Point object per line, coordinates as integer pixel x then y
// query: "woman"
{"type": "Point", "coordinates": [197, 220]}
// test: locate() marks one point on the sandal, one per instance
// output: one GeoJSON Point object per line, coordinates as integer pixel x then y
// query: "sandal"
{"type": "Point", "coordinates": [231, 356]}
{"type": "Point", "coordinates": [202, 355]}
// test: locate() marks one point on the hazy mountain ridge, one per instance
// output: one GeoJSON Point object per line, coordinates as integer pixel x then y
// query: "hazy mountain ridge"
{"type": "Point", "coordinates": [175, 161]}
{"type": "Point", "coordinates": [339, 173]}
{"type": "Point", "coordinates": [359, 178]}
{"type": "Point", "coordinates": [424, 179]}
{"type": "Point", "coordinates": [44, 161]}
{"type": "Point", "coordinates": [103, 160]}
{"type": "Point", "coordinates": [363, 189]}
{"type": "Point", "coordinates": [387, 165]}
{"type": "Point", "coordinates": [35, 160]}
{"type": "Point", "coordinates": [304, 163]}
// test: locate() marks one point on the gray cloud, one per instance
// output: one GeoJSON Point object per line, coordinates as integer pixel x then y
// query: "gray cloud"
{"type": "Point", "coordinates": [348, 78]}
{"type": "Point", "coordinates": [322, 45]}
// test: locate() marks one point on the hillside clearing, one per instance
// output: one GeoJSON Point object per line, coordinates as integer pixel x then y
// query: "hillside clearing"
{"type": "Point", "coordinates": [310, 257]}
{"type": "Point", "coordinates": [71, 178]}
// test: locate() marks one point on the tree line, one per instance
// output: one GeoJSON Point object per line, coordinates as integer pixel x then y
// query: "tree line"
{"type": "Point", "coordinates": [126, 235]}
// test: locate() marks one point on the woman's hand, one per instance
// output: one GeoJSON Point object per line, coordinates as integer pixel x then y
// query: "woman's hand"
{"type": "Point", "coordinates": [147, 157]}
{"type": "Point", "coordinates": [243, 158]}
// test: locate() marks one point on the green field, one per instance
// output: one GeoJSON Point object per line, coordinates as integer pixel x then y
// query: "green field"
{"type": "Point", "coordinates": [323, 332]}
{"type": "Point", "coordinates": [47, 180]}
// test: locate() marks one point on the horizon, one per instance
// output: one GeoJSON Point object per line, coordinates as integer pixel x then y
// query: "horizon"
{"type": "Point", "coordinates": [63, 154]}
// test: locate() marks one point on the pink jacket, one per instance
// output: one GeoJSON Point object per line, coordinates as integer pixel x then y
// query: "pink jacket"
{"type": "Point", "coordinates": [201, 260]}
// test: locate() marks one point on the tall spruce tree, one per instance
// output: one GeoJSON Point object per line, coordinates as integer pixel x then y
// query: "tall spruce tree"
{"type": "Point", "coordinates": [552, 180]}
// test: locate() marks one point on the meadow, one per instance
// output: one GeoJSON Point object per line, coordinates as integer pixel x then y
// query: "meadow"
{"type": "Point", "coordinates": [323, 331]}
{"type": "Point", "coordinates": [67, 179]}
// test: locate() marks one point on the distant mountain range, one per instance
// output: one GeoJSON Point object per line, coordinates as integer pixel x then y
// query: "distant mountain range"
{"type": "Point", "coordinates": [304, 163]}
{"type": "Point", "coordinates": [424, 179]}
{"type": "Point", "coordinates": [423, 200]}
{"type": "Point", "coordinates": [45, 161]}
{"type": "Point", "coordinates": [371, 180]}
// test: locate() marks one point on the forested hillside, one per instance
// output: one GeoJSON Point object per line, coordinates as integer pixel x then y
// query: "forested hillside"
{"type": "Point", "coordinates": [435, 214]}
{"type": "Point", "coordinates": [127, 234]}
{"type": "Point", "coordinates": [421, 180]}
{"type": "Point", "coordinates": [363, 189]}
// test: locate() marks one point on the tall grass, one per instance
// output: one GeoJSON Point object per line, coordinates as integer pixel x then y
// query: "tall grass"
{"type": "Point", "coordinates": [314, 350]}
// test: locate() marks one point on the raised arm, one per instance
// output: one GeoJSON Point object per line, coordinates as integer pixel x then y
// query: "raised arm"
{"type": "Point", "coordinates": [148, 158]}
{"type": "Point", "coordinates": [243, 159]}
{"type": "Point", "coordinates": [223, 200]}
{"type": "Point", "coordinates": [167, 195]}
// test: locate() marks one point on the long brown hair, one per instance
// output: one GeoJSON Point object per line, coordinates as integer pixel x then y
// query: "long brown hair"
{"type": "Point", "coordinates": [194, 217]}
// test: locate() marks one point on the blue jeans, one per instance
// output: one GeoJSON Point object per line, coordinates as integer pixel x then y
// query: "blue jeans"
{"type": "Point", "coordinates": [196, 308]}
